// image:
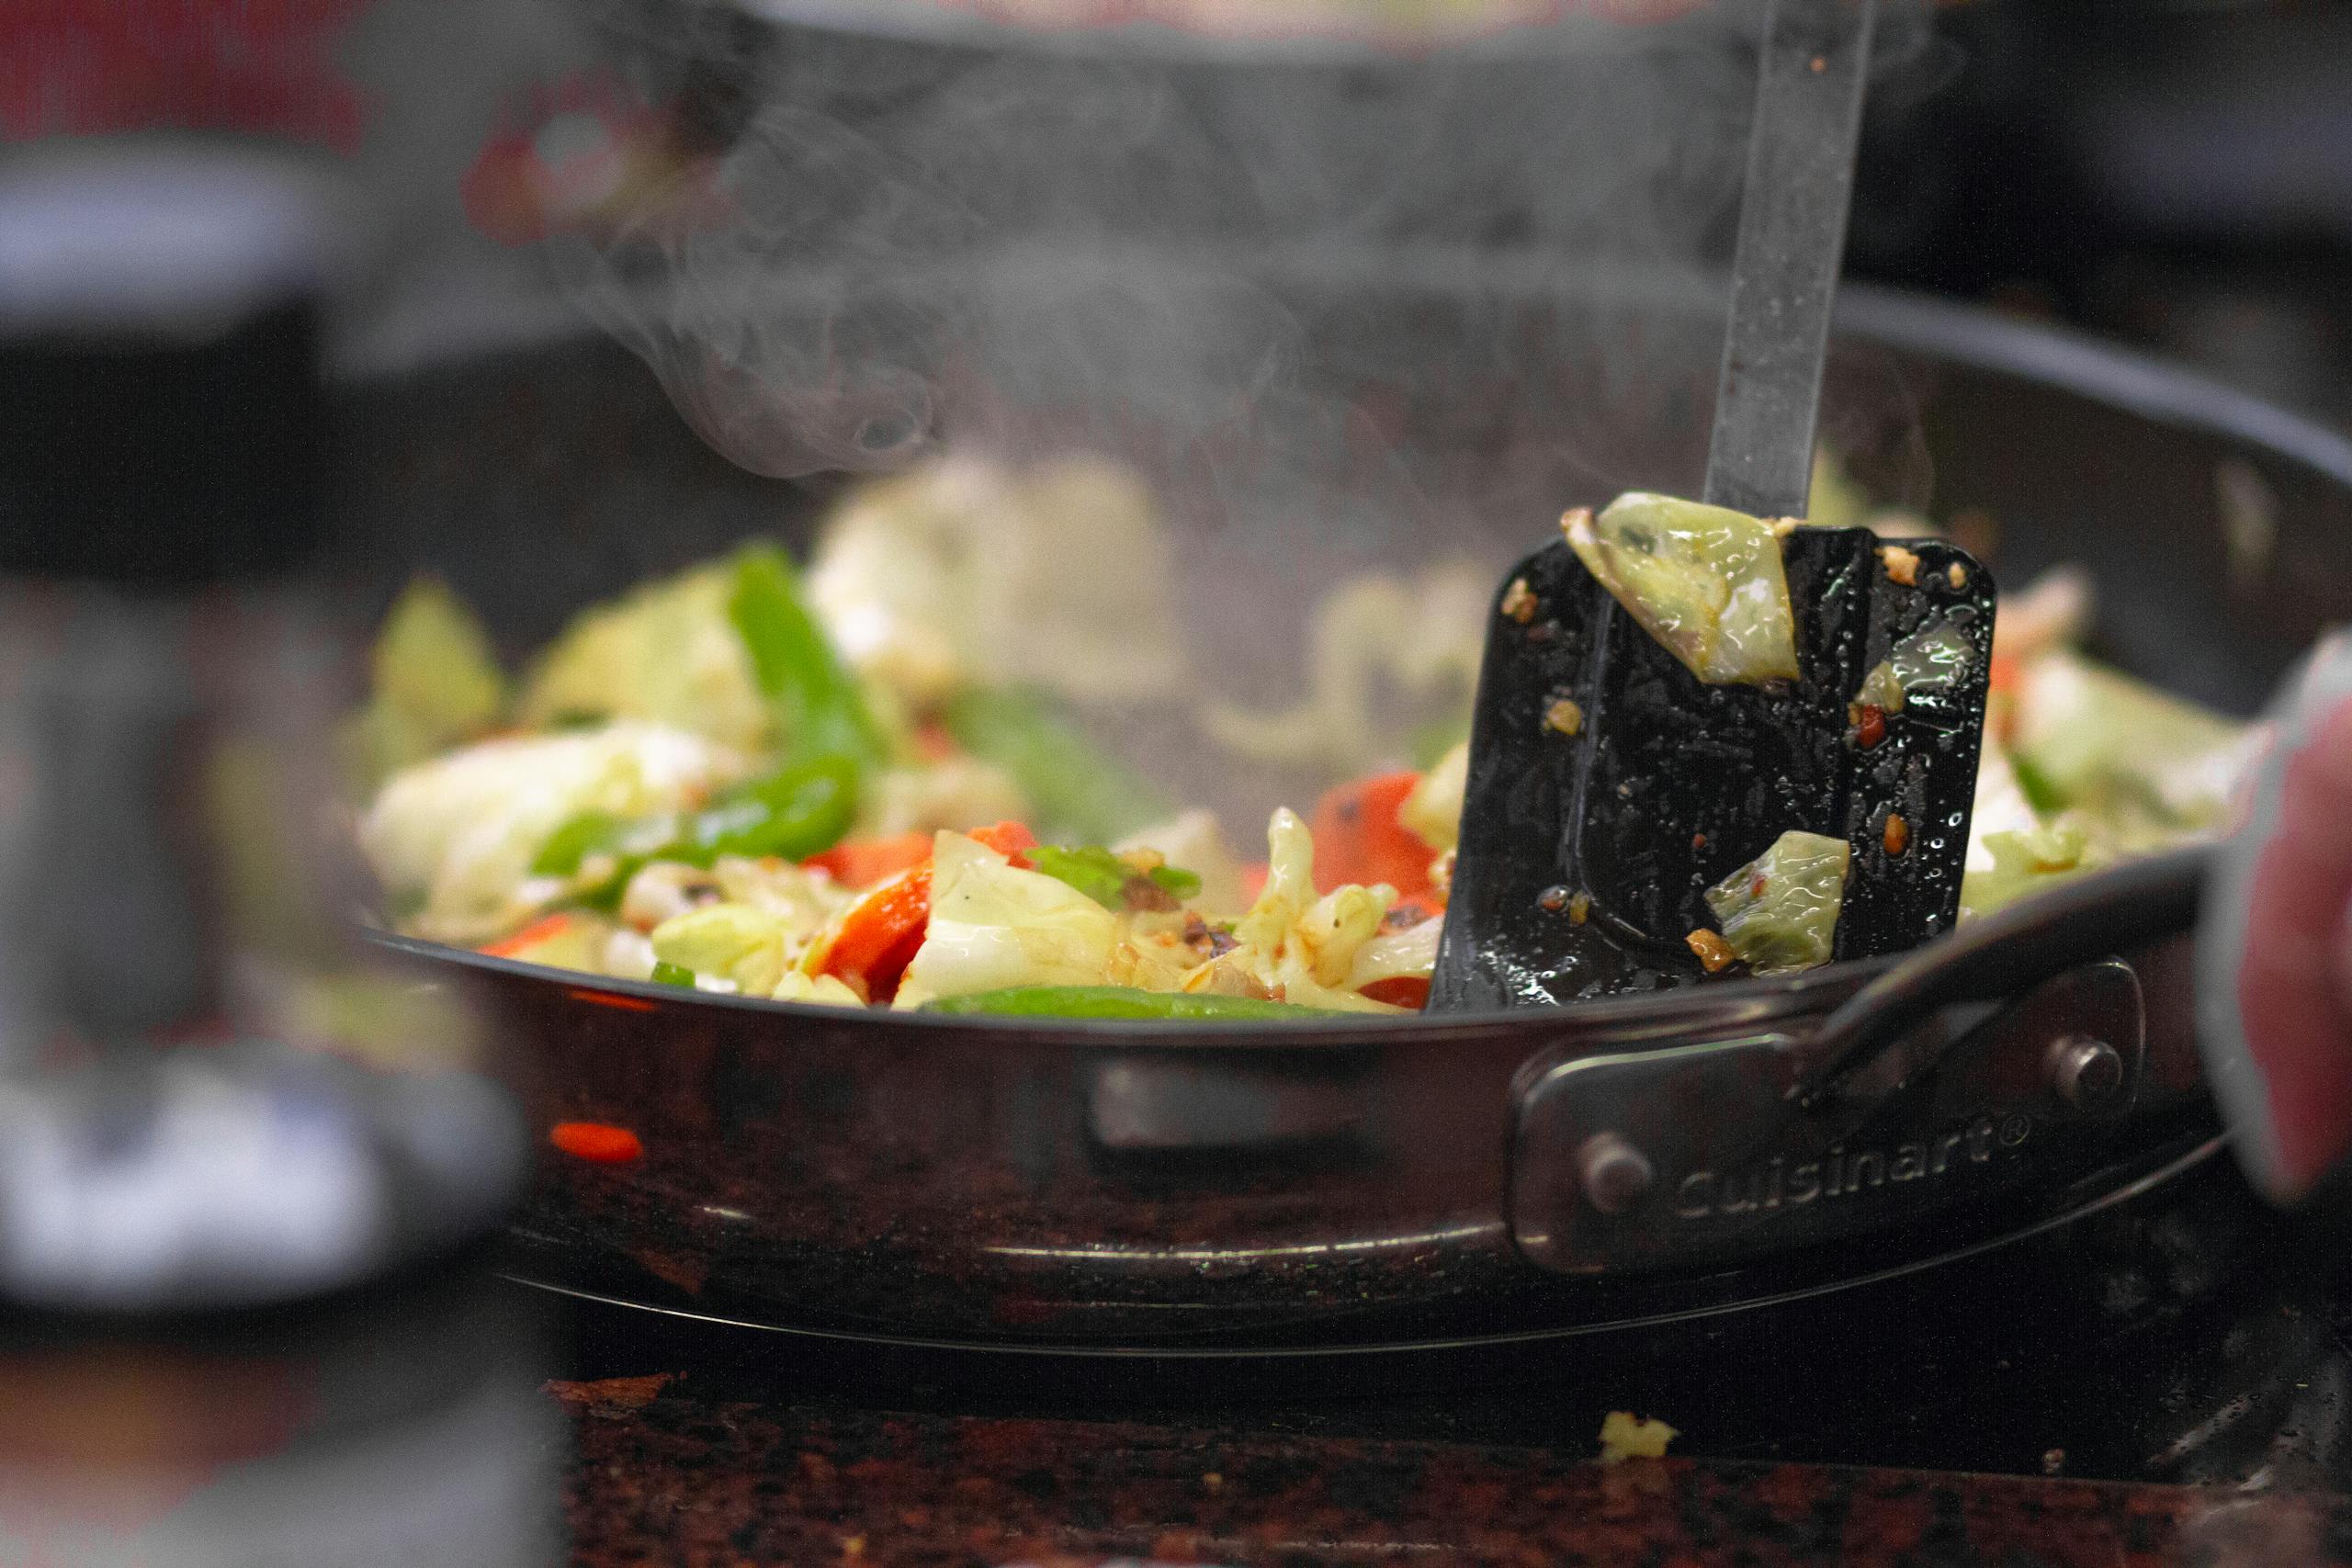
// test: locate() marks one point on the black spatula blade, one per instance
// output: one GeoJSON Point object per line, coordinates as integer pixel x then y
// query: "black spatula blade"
{"type": "Point", "coordinates": [1584, 857]}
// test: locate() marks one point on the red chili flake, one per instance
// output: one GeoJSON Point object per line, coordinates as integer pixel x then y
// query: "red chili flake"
{"type": "Point", "coordinates": [1698, 841]}
{"type": "Point", "coordinates": [1898, 836]}
{"type": "Point", "coordinates": [599, 1143]}
{"type": "Point", "coordinates": [1755, 888]}
{"type": "Point", "coordinates": [1871, 729]}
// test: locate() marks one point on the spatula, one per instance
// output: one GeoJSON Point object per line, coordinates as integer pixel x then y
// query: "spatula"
{"type": "Point", "coordinates": [1609, 787]}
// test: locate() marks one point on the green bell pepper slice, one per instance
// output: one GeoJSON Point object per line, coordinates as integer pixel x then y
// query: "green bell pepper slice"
{"type": "Point", "coordinates": [792, 814]}
{"type": "Point", "coordinates": [1122, 1002]}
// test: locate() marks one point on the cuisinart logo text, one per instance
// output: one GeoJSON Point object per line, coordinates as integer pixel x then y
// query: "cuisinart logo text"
{"type": "Point", "coordinates": [1704, 1194]}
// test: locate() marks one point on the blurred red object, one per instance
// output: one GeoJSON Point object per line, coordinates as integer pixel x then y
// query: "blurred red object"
{"type": "Point", "coordinates": [586, 154]}
{"type": "Point", "coordinates": [86, 67]}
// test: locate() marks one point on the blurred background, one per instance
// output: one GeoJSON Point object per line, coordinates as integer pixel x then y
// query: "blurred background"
{"type": "Point", "coordinates": [2175, 175]}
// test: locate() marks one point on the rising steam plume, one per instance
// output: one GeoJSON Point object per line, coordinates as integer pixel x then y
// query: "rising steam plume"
{"type": "Point", "coordinates": [915, 243]}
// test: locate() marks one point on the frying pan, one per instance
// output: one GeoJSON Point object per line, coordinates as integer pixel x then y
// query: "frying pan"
{"type": "Point", "coordinates": [1114, 1187]}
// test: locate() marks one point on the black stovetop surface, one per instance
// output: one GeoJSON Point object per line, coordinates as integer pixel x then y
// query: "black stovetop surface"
{"type": "Point", "coordinates": [2193, 1336]}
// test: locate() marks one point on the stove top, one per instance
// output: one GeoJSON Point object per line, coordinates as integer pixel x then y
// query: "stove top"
{"type": "Point", "coordinates": [2195, 1336]}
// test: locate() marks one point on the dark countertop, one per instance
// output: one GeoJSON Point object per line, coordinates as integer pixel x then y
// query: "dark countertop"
{"type": "Point", "coordinates": [663, 1477]}
{"type": "Point", "coordinates": [2176, 1391]}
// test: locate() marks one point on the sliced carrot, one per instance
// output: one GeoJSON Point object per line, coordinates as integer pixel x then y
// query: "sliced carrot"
{"type": "Point", "coordinates": [1358, 838]}
{"type": "Point", "coordinates": [545, 928]}
{"type": "Point", "coordinates": [880, 933]}
{"type": "Point", "coordinates": [599, 1143]}
{"type": "Point", "coordinates": [875, 932]}
{"type": "Point", "coordinates": [1007, 839]}
{"type": "Point", "coordinates": [861, 862]}
{"type": "Point", "coordinates": [1400, 990]}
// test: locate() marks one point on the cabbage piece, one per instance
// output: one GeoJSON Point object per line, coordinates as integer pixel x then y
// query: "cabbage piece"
{"type": "Point", "coordinates": [1706, 581]}
{"type": "Point", "coordinates": [1408, 954]}
{"type": "Point", "coordinates": [736, 942]}
{"type": "Point", "coordinates": [965, 574]}
{"type": "Point", "coordinates": [456, 837]}
{"type": "Point", "coordinates": [1778, 913]}
{"type": "Point", "coordinates": [1384, 652]}
{"type": "Point", "coordinates": [1432, 813]}
{"type": "Point", "coordinates": [626, 956]}
{"type": "Point", "coordinates": [667, 653]}
{"type": "Point", "coordinates": [817, 990]}
{"type": "Point", "coordinates": [577, 943]}
{"type": "Point", "coordinates": [436, 683]}
{"type": "Point", "coordinates": [802, 900]}
{"type": "Point", "coordinates": [1934, 656]}
{"type": "Point", "coordinates": [2026, 861]}
{"type": "Point", "coordinates": [993, 926]}
{"type": "Point", "coordinates": [1293, 945]}
{"type": "Point", "coordinates": [2132, 758]}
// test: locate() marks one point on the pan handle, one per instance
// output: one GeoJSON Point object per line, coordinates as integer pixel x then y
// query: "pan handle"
{"type": "Point", "coordinates": [2009, 953]}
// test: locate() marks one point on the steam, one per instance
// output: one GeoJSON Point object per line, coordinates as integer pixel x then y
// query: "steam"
{"type": "Point", "coordinates": [905, 245]}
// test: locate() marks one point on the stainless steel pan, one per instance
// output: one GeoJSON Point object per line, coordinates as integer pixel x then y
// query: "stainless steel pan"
{"type": "Point", "coordinates": [1334, 1186]}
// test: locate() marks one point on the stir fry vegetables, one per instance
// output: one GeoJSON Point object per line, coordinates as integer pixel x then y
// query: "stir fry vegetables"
{"type": "Point", "coordinates": [875, 786]}
{"type": "Point", "coordinates": [851, 790]}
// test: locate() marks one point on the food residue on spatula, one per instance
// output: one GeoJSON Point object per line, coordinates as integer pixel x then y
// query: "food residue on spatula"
{"type": "Point", "coordinates": [1778, 913]}
{"type": "Point", "coordinates": [1706, 581]}
{"type": "Point", "coordinates": [1768, 765]}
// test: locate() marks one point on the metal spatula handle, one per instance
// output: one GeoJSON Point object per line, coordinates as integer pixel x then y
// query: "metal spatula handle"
{"type": "Point", "coordinates": [1815, 59]}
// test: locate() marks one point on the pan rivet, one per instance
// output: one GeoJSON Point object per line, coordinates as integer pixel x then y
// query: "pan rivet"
{"type": "Point", "coordinates": [2085, 1071]}
{"type": "Point", "coordinates": [1615, 1174]}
